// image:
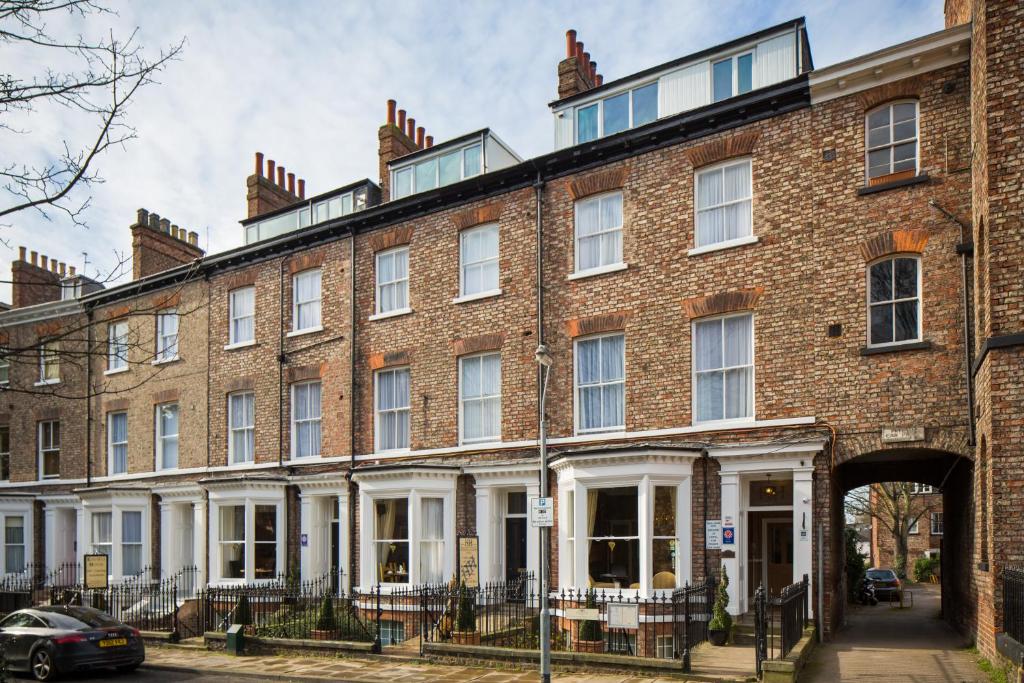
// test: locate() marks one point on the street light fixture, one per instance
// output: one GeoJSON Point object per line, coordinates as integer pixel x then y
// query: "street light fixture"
{"type": "Point", "coordinates": [544, 361]}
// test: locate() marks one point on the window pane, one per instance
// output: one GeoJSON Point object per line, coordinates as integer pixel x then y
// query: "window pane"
{"type": "Point", "coordinates": [736, 182]}
{"type": "Point", "coordinates": [472, 161]}
{"type": "Point", "coordinates": [611, 211]}
{"type": "Point", "coordinates": [739, 393]}
{"type": "Point", "coordinates": [663, 563]}
{"type": "Point", "coordinates": [451, 168]}
{"type": "Point", "coordinates": [613, 406]}
{"type": "Point", "coordinates": [709, 396]}
{"type": "Point", "coordinates": [471, 377]}
{"type": "Point", "coordinates": [906, 320]}
{"type": "Point", "coordinates": [881, 324]}
{"type": "Point", "coordinates": [878, 162]}
{"type": "Point", "coordinates": [879, 118]}
{"type": "Point", "coordinates": [588, 363]}
{"type": "Point", "coordinates": [709, 189]}
{"type": "Point", "coordinates": [426, 175]}
{"type": "Point", "coordinates": [590, 407]}
{"type": "Point", "coordinates": [131, 526]}
{"type": "Point", "coordinates": [722, 76]}
{"type": "Point", "coordinates": [737, 340]}
{"type": "Point", "coordinates": [878, 136]}
{"type": "Point", "coordinates": [708, 344]}
{"type": "Point", "coordinates": [392, 519]}
{"type": "Point", "coordinates": [616, 114]}
{"type": "Point", "coordinates": [403, 183]}
{"type": "Point", "coordinates": [904, 131]}
{"type": "Point", "coordinates": [645, 104]}
{"type": "Point", "coordinates": [906, 111]}
{"type": "Point", "coordinates": [904, 156]}
{"type": "Point", "coordinates": [588, 217]}
{"type": "Point", "coordinates": [881, 281]}
{"type": "Point", "coordinates": [586, 123]}
{"type": "Point", "coordinates": [906, 278]}
{"type": "Point", "coordinates": [266, 520]}
{"type": "Point", "coordinates": [612, 361]}
{"type": "Point", "coordinates": [664, 510]}
{"type": "Point", "coordinates": [745, 73]}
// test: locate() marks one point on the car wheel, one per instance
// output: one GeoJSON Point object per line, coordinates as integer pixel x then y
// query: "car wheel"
{"type": "Point", "coordinates": [43, 667]}
{"type": "Point", "coordinates": [127, 669]}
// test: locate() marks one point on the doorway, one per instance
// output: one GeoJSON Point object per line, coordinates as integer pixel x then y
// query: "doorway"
{"type": "Point", "coordinates": [515, 535]}
{"type": "Point", "coordinates": [777, 554]}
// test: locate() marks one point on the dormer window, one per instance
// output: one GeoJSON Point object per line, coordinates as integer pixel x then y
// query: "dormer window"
{"type": "Point", "coordinates": [451, 167]}
{"type": "Point", "coordinates": [732, 76]}
{"type": "Point", "coordinates": [617, 113]}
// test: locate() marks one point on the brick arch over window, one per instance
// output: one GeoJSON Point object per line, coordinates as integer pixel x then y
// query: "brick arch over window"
{"type": "Point", "coordinates": [602, 181]}
{"type": "Point", "coordinates": [907, 89]}
{"type": "Point", "coordinates": [723, 302]}
{"type": "Point", "coordinates": [737, 145]}
{"type": "Point", "coordinates": [488, 213]}
{"type": "Point", "coordinates": [394, 237]}
{"type": "Point", "coordinates": [894, 242]}
{"type": "Point", "coordinates": [596, 324]}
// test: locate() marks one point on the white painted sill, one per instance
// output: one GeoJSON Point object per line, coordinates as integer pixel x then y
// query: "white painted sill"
{"type": "Point", "coordinates": [240, 345]}
{"type": "Point", "coordinates": [46, 382]}
{"type": "Point", "coordinates": [115, 371]}
{"type": "Point", "coordinates": [476, 297]}
{"type": "Point", "coordinates": [613, 268]}
{"type": "Point", "coordinates": [390, 314]}
{"type": "Point", "coordinates": [164, 361]}
{"type": "Point", "coordinates": [308, 330]}
{"type": "Point", "coordinates": [721, 246]}
{"type": "Point", "coordinates": [742, 423]}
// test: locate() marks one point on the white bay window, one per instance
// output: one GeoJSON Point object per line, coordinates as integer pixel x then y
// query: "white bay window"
{"type": "Point", "coordinates": [117, 524]}
{"type": "Point", "coordinates": [247, 530]}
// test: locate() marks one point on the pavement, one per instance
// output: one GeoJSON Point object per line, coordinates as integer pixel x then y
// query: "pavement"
{"type": "Point", "coordinates": [885, 644]}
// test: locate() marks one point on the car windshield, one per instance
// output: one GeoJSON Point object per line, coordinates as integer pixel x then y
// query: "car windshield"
{"type": "Point", "coordinates": [78, 618]}
{"type": "Point", "coordinates": [881, 574]}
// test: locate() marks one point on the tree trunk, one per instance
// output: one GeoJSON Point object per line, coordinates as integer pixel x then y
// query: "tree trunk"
{"type": "Point", "coordinates": [900, 558]}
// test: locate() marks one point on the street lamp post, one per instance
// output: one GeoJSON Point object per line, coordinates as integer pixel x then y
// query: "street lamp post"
{"type": "Point", "coordinates": [544, 361]}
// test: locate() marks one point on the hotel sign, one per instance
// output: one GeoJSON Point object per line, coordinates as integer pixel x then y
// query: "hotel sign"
{"type": "Point", "coordinates": [902, 434]}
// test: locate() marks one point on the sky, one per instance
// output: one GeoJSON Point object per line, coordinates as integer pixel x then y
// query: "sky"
{"type": "Point", "coordinates": [306, 84]}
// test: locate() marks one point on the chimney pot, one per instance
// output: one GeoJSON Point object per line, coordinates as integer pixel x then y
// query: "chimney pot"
{"type": "Point", "coordinates": [430, 141]}
{"type": "Point", "coordinates": [42, 261]}
{"type": "Point", "coordinates": [579, 50]}
{"type": "Point", "coordinates": [62, 268]}
{"type": "Point", "coordinates": [420, 132]}
{"type": "Point", "coordinates": [302, 188]}
{"type": "Point", "coordinates": [593, 71]}
{"type": "Point", "coordinates": [142, 217]}
{"type": "Point", "coordinates": [165, 226]}
{"type": "Point", "coordinates": [401, 120]}
{"type": "Point", "coordinates": [71, 271]}
{"type": "Point", "coordinates": [35, 258]}
{"type": "Point", "coordinates": [154, 221]}
{"type": "Point", "coordinates": [193, 238]}
{"type": "Point", "coordinates": [280, 176]}
{"type": "Point", "coordinates": [53, 265]}
{"type": "Point", "coordinates": [570, 43]}
{"type": "Point", "coordinates": [291, 183]}
{"type": "Point", "coordinates": [586, 62]}
{"type": "Point", "coordinates": [21, 253]}
{"type": "Point", "coordinates": [392, 104]}
{"type": "Point", "coordinates": [271, 165]}
{"type": "Point", "coordinates": [174, 231]}
{"type": "Point", "coordinates": [259, 164]}
{"type": "Point", "coordinates": [410, 127]}
{"type": "Point", "coordinates": [599, 80]}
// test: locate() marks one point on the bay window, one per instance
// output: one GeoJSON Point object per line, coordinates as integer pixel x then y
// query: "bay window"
{"type": "Point", "coordinates": [131, 542]}
{"type": "Point", "coordinates": [724, 201]}
{"type": "Point", "coordinates": [14, 544]}
{"type": "Point", "coordinates": [232, 542]}
{"type": "Point", "coordinates": [167, 436]}
{"type": "Point", "coordinates": [167, 335]}
{"type": "Point", "coordinates": [248, 524]}
{"type": "Point", "coordinates": [599, 232]}
{"type": "Point", "coordinates": [480, 397]}
{"type": "Point", "coordinates": [392, 403]}
{"type": "Point", "coordinates": [306, 420]}
{"type": "Point", "coordinates": [117, 346]}
{"type": "Point", "coordinates": [264, 541]}
{"type": "Point", "coordinates": [306, 301]}
{"type": "Point", "coordinates": [393, 281]}
{"type": "Point", "coordinates": [242, 314]}
{"type": "Point", "coordinates": [117, 443]}
{"type": "Point", "coordinates": [478, 254]}
{"type": "Point", "coordinates": [724, 368]}
{"type": "Point", "coordinates": [894, 301]}
{"type": "Point", "coordinates": [613, 538]}
{"type": "Point", "coordinates": [241, 427]}
{"type": "Point", "coordinates": [391, 540]}
{"type": "Point", "coordinates": [101, 534]}
{"type": "Point", "coordinates": [117, 524]}
{"type": "Point", "coordinates": [601, 383]}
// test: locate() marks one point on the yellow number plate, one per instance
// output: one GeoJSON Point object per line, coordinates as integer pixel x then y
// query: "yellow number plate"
{"type": "Point", "coordinates": [113, 642]}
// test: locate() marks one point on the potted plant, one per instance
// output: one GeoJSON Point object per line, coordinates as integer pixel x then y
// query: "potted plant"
{"type": "Point", "coordinates": [590, 629]}
{"type": "Point", "coordinates": [326, 623]}
{"type": "Point", "coordinates": [465, 632]}
{"type": "Point", "coordinates": [243, 613]}
{"type": "Point", "coordinates": [721, 621]}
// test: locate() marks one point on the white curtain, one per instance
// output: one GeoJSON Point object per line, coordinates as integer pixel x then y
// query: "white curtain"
{"type": "Point", "coordinates": [708, 361]}
{"type": "Point", "coordinates": [479, 249]}
{"type": "Point", "coordinates": [307, 299]}
{"type": "Point", "coordinates": [14, 545]}
{"type": "Point", "coordinates": [481, 397]}
{"type": "Point", "coordinates": [613, 372]}
{"type": "Point", "coordinates": [775, 60]}
{"type": "Point", "coordinates": [119, 442]}
{"type": "Point", "coordinates": [684, 89]}
{"type": "Point", "coordinates": [393, 409]}
{"type": "Point", "coordinates": [243, 311]}
{"type": "Point", "coordinates": [168, 416]}
{"type": "Point", "coordinates": [393, 280]}
{"type": "Point", "coordinates": [168, 335]}
{"type": "Point", "coordinates": [600, 368]}
{"type": "Point", "coordinates": [738, 381]}
{"type": "Point", "coordinates": [131, 542]}
{"type": "Point", "coordinates": [243, 435]}
{"type": "Point", "coordinates": [432, 541]}
{"type": "Point", "coordinates": [588, 242]}
{"type": "Point", "coordinates": [736, 188]}
{"type": "Point", "coordinates": [723, 204]}
{"type": "Point", "coordinates": [101, 532]}
{"type": "Point", "coordinates": [307, 419]}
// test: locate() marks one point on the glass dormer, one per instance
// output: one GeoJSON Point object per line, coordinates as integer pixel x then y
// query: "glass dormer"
{"type": "Point", "coordinates": [449, 162]}
{"type": "Point", "coordinates": [319, 209]}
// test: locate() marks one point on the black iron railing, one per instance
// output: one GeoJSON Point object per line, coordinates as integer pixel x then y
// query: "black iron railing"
{"type": "Point", "coordinates": [779, 621]}
{"type": "Point", "coordinates": [1013, 603]}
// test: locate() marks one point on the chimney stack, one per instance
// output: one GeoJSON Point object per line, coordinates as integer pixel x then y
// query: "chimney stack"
{"type": "Point", "coordinates": [158, 245]}
{"type": "Point", "coordinates": [273, 190]}
{"type": "Point", "coordinates": [35, 281]}
{"type": "Point", "coordinates": [576, 73]}
{"type": "Point", "coordinates": [397, 137]}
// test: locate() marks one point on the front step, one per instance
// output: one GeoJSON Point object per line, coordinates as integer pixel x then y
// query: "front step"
{"type": "Point", "coordinates": [746, 634]}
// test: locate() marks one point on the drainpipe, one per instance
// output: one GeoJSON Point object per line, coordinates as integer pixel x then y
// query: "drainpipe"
{"type": "Point", "coordinates": [351, 409]}
{"type": "Point", "coordinates": [965, 249]}
{"type": "Point", "coordinates": [281, 360]}
{"type": "Point", "coordinates": [209, 379]}
{"type": "Point", "coordinates": [88, 395]}
{"type": "Point", "coordinates": [704, 458]}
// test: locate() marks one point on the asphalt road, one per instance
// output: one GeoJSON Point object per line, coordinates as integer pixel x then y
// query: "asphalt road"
{"type": "Point", "coordinates": [141, 676]}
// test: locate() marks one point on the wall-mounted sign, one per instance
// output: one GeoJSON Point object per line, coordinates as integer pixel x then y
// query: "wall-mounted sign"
{"type": "Point", "coordinates": [583, 613]}
{"type": "Point", "coordinates": [902, 434]}
{"type": "Point", "coordinates": [623, 615]}
{"type": "Point", "coordinates": [713, 534]}
{"type": "Point", "coordinates": [542, 512]}
{"type": "Point", "coordinates": [727, 520]}
{"type": "Point", "coordinates": [469, 561]}
{"type": "Point", "coordinates": [96, 571]}
{"type": "Point", "coordinates": [728, 535]}
{"type": "Point", "coordinates": [304, 540]}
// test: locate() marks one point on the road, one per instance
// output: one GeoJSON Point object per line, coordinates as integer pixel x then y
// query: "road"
{"type": "Point", "coordinates": [141, 676]}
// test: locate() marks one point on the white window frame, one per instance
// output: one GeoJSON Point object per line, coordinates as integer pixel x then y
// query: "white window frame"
{"type": "Point", "coordinates": [166, 344]}
{"type": "Point", "coordinates": [4, 518]}
{"type": "Point", "coordinates": [5, 452]}
{"type": "Point", "coordinates": [115, 502]}
{"type": "Point", "coordinates": [932, 516]}
{"type": "Point", "coordinates": [892, 302]}
{"type": "Point", "coordinates": [734, 58]}
{"type": "Point", "coordinates": [577, 404]}
{"type": "Point", "coordinates": [161, 438]}
{"type": "Point", "coordinates": [621, 229]}
{"type": "Point", "coordinates": [600, 111]}
{"type": "Point", "coordinates": [233, 456]}
{"type": "Point", "coordinates": [464, 264]}
{"type": "Point", "coordinates": [111, 444]}
{"type": "Point", "coordinates": [17, 509]}
{"type": "Point", "coordinates": [914, 527]}
{"type": "Point", "coordinates": [295, 421]}
{"type": "Point", "coordinates": [125, 544]}
{"type": "Point", "coordinates": [96, 546]}
{"type": "Point", "coordinates": [893, 144]}
{"type": "Point", "coordinates": [379, 284]}
{"type": "Point", "coordinates": [436, 158]}
{"type": "Point", "coordinates": [117, 346]}
{"type": "Point", "coordinates": [48, 448]}
{"type": "Point", "coordinates": [753, 368]}
{"type": "Point", "coordinates": [922, 489]}
{"type": "Point", "coordinates": [5, 367]}
{"type": "Point", "coordinates": [318, 301]}
{"type": "Point", "coordinates": [248, 497]}
{"type": "Point", "coordinates": [49, 356]}
{"type": "Point", "coordinates": [478, 357]}
{"type": "Point", "coordinates": [698, 209]}
{"type": "Point", "coordinates": [407, 409]}
{"type": "Point", "coordinates": [233, 317]}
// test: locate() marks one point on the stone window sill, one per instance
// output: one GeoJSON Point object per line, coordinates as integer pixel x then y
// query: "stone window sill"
{"type": "Point", "coordinates": [165, 361]}
{"type": "Point", "coordinates": [46, 382]}
{"type": "Point", "coordinates": [115, 371]}
{"type": "Point", "coordinates": [730, 244]}
{"type": "Point", "coordinates": [240, 345]}
{"type": "Point", "coordinates": [894, 348]}
{"type": "Point", "coordinates": [308, 330]}
{"type": "Point", "coordinates": [466, 298]}
{"type": "Point", "coordinates": [391, 314]}
{"type": "Point", "coordinates": [906, 182]}
{"type": "Point", "coordinates": [601, 270]}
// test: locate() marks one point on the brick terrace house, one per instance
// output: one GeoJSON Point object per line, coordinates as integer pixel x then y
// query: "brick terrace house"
{"type": "Point", "coordinates": [924, 538]}
{"type": "Point", "coordinates": [750, 275]}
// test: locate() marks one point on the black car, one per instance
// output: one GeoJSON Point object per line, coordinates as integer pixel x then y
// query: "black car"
{"type": "Point", "coordinates": [49, 641]}
{"type": "Point", "coordinates": [887, 585]}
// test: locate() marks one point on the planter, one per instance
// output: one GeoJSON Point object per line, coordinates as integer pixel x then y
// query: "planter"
{"type": "Point", "coordinates": [466, 637]}
{"type": "Point", "coordinates": [317, 634]}
{"type": "Point", "coordinates": [593, 647]}
{"type": "Point", "coordinates": [718, 636]}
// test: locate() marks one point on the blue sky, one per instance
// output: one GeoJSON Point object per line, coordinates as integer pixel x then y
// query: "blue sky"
{"type": "Point", "coordinates": [306, 83]}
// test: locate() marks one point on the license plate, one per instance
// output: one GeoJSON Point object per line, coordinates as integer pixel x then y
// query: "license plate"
{"type": "Point", "coordinates": [113, 642]}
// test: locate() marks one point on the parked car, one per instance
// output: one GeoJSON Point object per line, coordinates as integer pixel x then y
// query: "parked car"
{"type": "Point", "coordinates": [54, 640]}
{"type": "Point", "coordinates": [887, 585]}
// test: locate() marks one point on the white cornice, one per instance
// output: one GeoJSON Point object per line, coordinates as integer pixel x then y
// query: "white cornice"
{"type": "Point", "coordinates": [187, 492]}
{"type": "Point", "coordinates": [410, 472]}
{"type": "Point", "coordinates": [921, 55]}
{"type": "Point", "coordinates": [641, 456]}
{"type": "Point", "coordinates": [33, 314]}
{"type": "Point", "coordinates": [322, 484]}
{"type": "Point", "coordinates": [761, 451]}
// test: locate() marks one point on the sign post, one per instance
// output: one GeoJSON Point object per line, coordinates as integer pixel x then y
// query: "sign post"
{"type": "Point", "coordinates": [542, 512]}
{"type": "Point", "coordinates": [469, 561]}
{"type": "Point", "coordinates": [96, 571]}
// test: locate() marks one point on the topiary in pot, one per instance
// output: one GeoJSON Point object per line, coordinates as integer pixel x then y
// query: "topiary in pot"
{"type": "Point", "coordinates": [721, 621]}
{"type": "Point", "coordinates": [465, 632]}
{"type": "Point", "coordinates": [326, 622]}
{"type": "Point", "coordinates": [590, 629]}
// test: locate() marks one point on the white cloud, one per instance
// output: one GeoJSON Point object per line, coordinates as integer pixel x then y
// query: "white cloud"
{"type": "Point", "coordinates": [306, 83]}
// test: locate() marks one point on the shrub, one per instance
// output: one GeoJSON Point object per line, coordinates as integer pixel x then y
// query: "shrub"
{"type": "Point", "coordinates": [590, 629]}
{"type": "Point", "coordinates": [721, 620]}
{"type": "Point", "coordinates": [465, 620]}
{"type": "Point", "coordinates": [326, 620]}
{"type": "Point", "coordinates": [243, 613]}
{"type": "Point", "coordinates": [925, 568]}
{"type": "Point", "coordinates": [856, 565]}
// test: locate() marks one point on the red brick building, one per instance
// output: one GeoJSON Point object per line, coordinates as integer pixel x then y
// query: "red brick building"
{"type": "Point", "coordinates": [750, 275]}
{"type": "Point", "coordinates": [924, 537]}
